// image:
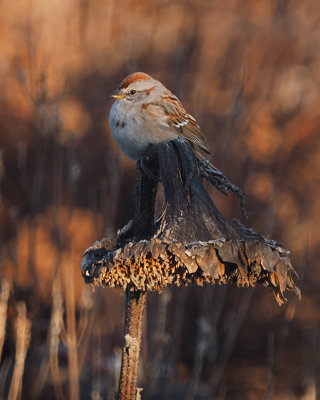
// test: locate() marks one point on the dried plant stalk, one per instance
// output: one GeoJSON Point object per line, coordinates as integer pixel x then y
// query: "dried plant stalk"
{"type": "Point", "coordinates": [4, 296]}
{"type": "Point", "coordinates": [72, 340]}
{"type": "Point", "coordinates": [135, 304]}
{"type": "Point", "coordinates": [56, 326]}
{"type": "Point", "coordinates": [191, 243]}
{"type": "Point", "coordinates": [23, 335]}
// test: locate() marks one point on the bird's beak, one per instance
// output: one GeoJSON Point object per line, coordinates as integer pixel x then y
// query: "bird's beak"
{"type": "Point", "coordinates": [117, 95]}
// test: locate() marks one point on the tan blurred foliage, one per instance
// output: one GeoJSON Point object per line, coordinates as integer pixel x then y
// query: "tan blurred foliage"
{"type": "Point", "coordinates": [51, 244]}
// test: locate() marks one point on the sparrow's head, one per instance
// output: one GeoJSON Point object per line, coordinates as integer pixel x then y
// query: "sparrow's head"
{"type": "Point", "coordinates": [137, 87]}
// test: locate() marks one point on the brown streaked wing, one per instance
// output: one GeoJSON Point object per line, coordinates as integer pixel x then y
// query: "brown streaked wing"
{"type": "Point", "coordinates": [183, 122]}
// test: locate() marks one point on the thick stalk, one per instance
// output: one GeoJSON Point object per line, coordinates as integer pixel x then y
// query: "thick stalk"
{"type": "Point", "coordinates": [135, 304]}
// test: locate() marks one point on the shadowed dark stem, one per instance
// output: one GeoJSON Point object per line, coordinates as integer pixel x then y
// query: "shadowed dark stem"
{"type": "Point", "coordinates": [135, 305]}
{"type": "Point", "coordinates": [147, 187]}
{"type": "Point", "coordinates": [143, 228]}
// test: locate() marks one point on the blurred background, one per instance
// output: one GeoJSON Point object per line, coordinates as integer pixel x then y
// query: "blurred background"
{"type": "Point", "coordinates": [249, 71]}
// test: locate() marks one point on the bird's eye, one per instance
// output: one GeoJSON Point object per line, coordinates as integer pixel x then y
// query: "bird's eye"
{"type": "Point", "coordinates": [133, 91]}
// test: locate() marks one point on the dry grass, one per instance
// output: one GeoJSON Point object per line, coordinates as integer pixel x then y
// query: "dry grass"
{"type": "Point", "coordinates": [4, 297]}
{"type": "Point", "coordinates": [22, 340]}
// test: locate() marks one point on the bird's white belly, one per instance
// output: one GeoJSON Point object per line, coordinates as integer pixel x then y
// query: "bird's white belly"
{"type": "Point", "coordinates": [130, 142]}
{"type": "Point", "coordinates": [134, 138]}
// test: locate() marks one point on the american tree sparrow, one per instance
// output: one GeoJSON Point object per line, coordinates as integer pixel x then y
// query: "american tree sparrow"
{"type": "Point", "coordinates": [146, 113]}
